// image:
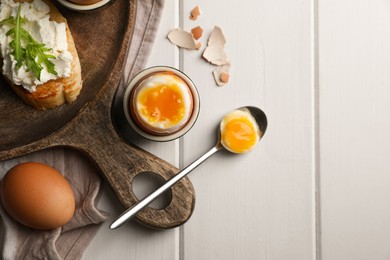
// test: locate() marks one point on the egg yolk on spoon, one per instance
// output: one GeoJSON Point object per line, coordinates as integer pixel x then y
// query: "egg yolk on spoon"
{"type": "Point", "coordinates": [239, 132]}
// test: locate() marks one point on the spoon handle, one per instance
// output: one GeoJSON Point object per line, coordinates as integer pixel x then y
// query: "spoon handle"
{"type": "Point", "coordinates": [131, 212]}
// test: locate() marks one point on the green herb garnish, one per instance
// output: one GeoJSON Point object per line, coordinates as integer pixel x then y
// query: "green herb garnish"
{"type": "Point", "coordinates": [34, 54]}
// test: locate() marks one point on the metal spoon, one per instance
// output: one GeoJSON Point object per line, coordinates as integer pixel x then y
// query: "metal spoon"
{"type": "Point", "coordinates": [261, 121]}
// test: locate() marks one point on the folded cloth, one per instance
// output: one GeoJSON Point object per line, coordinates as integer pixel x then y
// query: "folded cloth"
{"type": "Point", "coordinates": [146, 24]}
{"type": "Point", "coordinates": [70, 241]}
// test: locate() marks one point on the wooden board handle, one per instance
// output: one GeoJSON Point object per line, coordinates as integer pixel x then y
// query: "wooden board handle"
{"type": "Point", "coordinates": [119, 163]}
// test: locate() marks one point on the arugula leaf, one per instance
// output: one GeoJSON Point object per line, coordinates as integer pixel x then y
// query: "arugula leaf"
{"type": "Point", "coordinates": [34, 54]}
{"type": "Point", "coordinates": [10, 21]}
{"type": "Point", "coordinates": [18, 43]}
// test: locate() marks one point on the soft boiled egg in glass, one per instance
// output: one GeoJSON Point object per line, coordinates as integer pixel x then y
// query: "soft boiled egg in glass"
{"type": "Point", "coordinates": [161, 103]}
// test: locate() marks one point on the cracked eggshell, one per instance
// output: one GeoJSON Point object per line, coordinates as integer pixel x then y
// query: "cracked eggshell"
{"type": "Point", "coordinates": [182, 39]}
{"type": "Point", "coordinates": [215, 54]}
{"type": "Point", "coordinates": [216, 37]}
{"type": "Point", "coordinates": [198, 45]}
{"type": "Point", "coordinates": [222, 74]}
{"type": "Point", "coordinates": [197, 32]}
{"type": "Point", "coordinates": [195, 12]}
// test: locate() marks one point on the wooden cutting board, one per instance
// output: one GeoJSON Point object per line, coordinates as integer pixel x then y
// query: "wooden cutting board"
{"type": "Point", "coordinates": [102, 39]}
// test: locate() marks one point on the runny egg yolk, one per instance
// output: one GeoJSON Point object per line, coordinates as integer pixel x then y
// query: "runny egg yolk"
{"type": "Point", "coordinates": [239, 134]}
{"type": "Point", "coordinates": [163, 103]}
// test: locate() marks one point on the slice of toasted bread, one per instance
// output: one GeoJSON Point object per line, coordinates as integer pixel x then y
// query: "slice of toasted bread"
{"type": "Point", "coordinates": [62, 90]}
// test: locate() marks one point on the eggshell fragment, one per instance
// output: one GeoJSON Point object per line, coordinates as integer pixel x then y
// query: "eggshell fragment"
{"type": "Point", "coordinates": [215, 54]}
{"type": "Point", "coordinates": [182, 39]}
{"type": "Point", "coordinates": [224, 77]}
{"type": "Point", "coordinates": [217, 37]}
{"type": "Point", "coordinates": [198, 45]}
{"type": "Point", "coordinates": [197, 32]}
{"type": "Point", "coordinates": [222, 74]}
{"type": "Point", "coordinates": [195, 13]}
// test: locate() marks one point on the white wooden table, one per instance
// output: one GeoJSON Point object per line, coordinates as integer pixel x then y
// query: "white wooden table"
{"type": "Point", "coordinates": [318, 185]}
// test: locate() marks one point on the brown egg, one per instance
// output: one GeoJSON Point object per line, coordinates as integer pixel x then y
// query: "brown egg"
{"type": "Point", "coordinates": [37, 196]}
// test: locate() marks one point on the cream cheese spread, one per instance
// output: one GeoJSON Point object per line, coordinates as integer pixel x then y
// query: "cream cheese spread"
{"type": "Point", "coordinates": [50, 33]}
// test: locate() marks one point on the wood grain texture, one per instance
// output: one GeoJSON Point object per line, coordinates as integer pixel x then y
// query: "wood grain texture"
{"type": "Point", "coordinates": [354, 129]}
{"type": "Point", "coordinates": [258, 205]}
{"type": "Point", "coordinates": [91, 131]}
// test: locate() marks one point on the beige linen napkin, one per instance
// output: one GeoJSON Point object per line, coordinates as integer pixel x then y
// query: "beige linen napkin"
{"type": "Point", "coordinates": [70, 241]}
{"type": "Point", "coordinates": [146, 25]}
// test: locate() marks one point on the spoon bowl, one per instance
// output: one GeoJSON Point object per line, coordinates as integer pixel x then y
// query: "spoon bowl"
{"type": "Point", "coordinates": [259, 116]}
{"type": "Point", "coordinates": [256, 117]}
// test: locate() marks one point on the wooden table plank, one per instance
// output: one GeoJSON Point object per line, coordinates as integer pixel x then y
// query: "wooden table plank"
{"type": "Point", "coordinates": [354, 128]}
{"type": "Point", "coordinates": [259, 205]}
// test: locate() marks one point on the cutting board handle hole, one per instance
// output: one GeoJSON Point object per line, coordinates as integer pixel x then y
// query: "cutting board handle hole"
{"type": "Point", "coordinates": [147, 182]}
